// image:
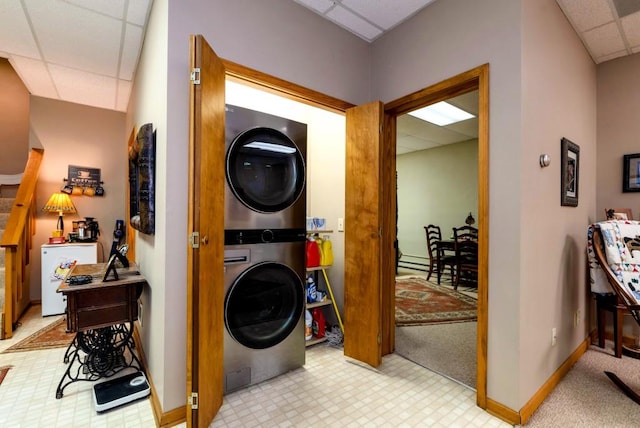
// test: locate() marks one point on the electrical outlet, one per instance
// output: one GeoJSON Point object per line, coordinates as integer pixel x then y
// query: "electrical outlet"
{"type": "Point", "coordinates": [340, 224]}
{"type": "Point", "coordinates": [554, 336]}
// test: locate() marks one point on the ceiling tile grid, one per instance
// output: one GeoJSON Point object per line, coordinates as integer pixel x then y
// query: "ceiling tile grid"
{"type": "Point", "coordinates": [608, 29]}
{"type": "Point", "coordinates": [83, 51]}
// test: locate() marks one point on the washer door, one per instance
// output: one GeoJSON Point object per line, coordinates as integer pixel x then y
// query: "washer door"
{"type": "Point", "coordinates": [265, 170]}
{"type": "Point", "coordinates": [263, 305]}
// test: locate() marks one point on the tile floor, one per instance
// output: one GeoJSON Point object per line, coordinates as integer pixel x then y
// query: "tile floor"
{"type": "Point", "coordinates": [329, 390]}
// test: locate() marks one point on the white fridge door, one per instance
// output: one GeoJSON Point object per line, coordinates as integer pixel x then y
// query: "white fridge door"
{"type": "Point", "coordinates": [56, 262]}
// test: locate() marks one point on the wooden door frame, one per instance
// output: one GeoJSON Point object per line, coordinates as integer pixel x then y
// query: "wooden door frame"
{"type": "Point", "coordinates": [476, 78]}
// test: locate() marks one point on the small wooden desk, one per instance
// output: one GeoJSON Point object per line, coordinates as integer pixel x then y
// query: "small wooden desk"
{"type": "Point", "coordinates": [102, 315]}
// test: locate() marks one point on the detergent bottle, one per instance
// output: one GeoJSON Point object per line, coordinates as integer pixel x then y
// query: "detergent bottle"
{"type": "Point", "coordinates": [319, 241]}
{"type": "Point", "coordinates": [327, 252]}
{"type": "Point", "coordinates": [308, 325]}
{"type": "Point", "coordinates": [313, 253]}
{"type": "Point", "coordinates": [311, 289]}
{"type": "Point", "coordinates": [319, 323]}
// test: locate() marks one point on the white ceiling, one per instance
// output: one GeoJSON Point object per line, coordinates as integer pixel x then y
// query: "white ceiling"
{"type": "Point", "coordinates": [86, 51]}
{"type": "Point", "coordinates": [82, 51]}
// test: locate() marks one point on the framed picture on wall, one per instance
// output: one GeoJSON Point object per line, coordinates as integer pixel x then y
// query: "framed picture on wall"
{"type": "Point", "coordinates": [631, 173]}
{"type": "Point", "coordinates": [570, 168]}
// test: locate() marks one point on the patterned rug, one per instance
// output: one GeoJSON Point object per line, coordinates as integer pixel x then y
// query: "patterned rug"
{"type": "Point", "coordinates": [422, 302]}
{"type": "Point", "coordinates": [3, 372]}
{"type": "Point", "coordinates": [52, 336]}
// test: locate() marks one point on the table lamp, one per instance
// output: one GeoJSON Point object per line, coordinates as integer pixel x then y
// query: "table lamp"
{"type": "Point", "coordinates": [60, 203]}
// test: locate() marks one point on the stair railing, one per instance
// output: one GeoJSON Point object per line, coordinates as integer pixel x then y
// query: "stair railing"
{"type": "Point", "coordinates": [17, 242]}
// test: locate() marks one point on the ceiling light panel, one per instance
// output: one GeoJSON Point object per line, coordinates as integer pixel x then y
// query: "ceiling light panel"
{"type": "Point", "coordinates": [626, 7]}
{"type": "Point", "coordinates": [386, 14]}
{"type": "Point", "coordinates": [15, 33]}
{"type": "Point", "coordinates": [96, 53]}
{"type": "Point", "coordinates": [441, 114]}
{"type": "Point", "coordinates": [587, 14]}
{"type": "Point", "coordinates": [320, 6]}
{"type": "Point", "coordinates": [353, 23]}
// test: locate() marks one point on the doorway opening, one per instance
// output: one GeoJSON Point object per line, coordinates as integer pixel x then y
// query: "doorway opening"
{"type": "Point", "coordinates": [437, 185]}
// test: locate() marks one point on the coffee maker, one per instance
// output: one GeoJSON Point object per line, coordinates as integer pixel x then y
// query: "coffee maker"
{"type": "Point", "coordinates": [86, 230]}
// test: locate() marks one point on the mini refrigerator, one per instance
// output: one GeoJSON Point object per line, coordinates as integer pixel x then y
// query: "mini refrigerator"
{"type": "Point", "coordinates": [56, 261]}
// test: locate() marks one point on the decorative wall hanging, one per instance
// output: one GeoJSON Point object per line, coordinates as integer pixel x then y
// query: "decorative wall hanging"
{"type": "Point", "coordinates": [83, 180]}
{"type": "Point", "coordinates": [570, 168]}
{"type": "Point", "coordinates": [631, 173]}
{"type": "Point", "coordinates": [142, 159]}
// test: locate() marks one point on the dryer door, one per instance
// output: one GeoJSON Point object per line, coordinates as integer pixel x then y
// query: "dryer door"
{"type": "Point", "coordinates": [265, 170]}
{"type": "Point", "coordinates": [263, 305]}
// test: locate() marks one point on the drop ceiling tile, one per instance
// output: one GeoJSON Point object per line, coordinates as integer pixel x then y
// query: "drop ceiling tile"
{"type": "Point", "coordinates": [15, 33]}
{"type": "Point", "coordinates": [386, 14]}
{"type": "Point", "coordinates": [353, 23]}
{"type": "Point", "coordinates": [468, 129]}
{"type": "Point", "coordinates": [138, 11]}
{"type": "Point", "coordinates": [123, 94]}
{"type": "Point", "coordinates": [610, 56]}
{"type": "Point", "coordinates": [604, 40]}
{"type": "Point", "coordinates": [416, 143]}
{"type": "Point", "coordinates": [113, 8]}
{"type": "Point", "coordinates": [84, 88]}
{"type": "Point", "coordinates": [93, 45]}
{"type": "Point", "coordinates": [631, 27]}
{"type": "Point", "coordinates": [320, 6]}
{"type": "Point", "coordinates": [35, 76]}
{"type": "Point", "coordinates": [132, 45]}
{"type": "Point", "coordinates": [587, 14]}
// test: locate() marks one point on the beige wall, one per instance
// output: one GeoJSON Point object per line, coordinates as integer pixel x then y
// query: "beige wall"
{"type": "Point", "coordinates": [445, 39]}
{"type": "Point", "coordinates": [72, 134]}
{"type": "Point", "coordinates": [280, 38]}
{"type": "Point", "coordinates": [559, 100]}
{"type": "Point", "coordinates": [618, 131]}
{"type": "Point", "coordinates": [436, 186]}
{"type": "Point", "coordinates": [14, 121]}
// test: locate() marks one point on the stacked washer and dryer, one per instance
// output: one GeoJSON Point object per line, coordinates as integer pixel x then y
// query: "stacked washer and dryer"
{"type": "Point", "coordinates": [264, 257]}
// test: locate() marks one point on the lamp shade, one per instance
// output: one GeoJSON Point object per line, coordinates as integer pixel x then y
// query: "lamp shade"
{"type": "Point", "coordinates": [59, 203]}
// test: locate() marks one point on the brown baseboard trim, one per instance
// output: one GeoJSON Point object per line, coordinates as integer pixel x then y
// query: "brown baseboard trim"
{"type": "Point", "coordinates": [532, 405]}
{"type": "Point", "coordinates": [503, 412]}
{"type": "Point", "coordinates": [163, 419]}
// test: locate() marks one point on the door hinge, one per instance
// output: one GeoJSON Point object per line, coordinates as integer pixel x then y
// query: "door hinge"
{"type": "Point", "coordinates": [195, 76]}
{"type": "Point", "coordinates": [194, 239]}
{"type": "Point", "coordinates": [193, 400]}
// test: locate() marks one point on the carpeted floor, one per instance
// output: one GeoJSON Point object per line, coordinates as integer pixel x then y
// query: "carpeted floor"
{"type": "Point", "coordinates": [421, 302]}
{"type": "Point", "coordinates": [448, 349]}
{"type": "Point", "coordinates": [53, 335]}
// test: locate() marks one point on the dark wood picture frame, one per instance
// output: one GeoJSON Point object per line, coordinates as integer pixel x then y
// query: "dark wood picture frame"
{"type": "Point", "coordinates": [142, 160]}
{"type": "Point", "coordinates": [569, 176]}
{"type": "Point", "coordinates": [631, 173]}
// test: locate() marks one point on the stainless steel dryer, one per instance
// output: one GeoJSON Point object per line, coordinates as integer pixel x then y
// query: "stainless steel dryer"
{"type": "Point", "coordinates": [263, 311]}
{"type": "Point", "coordinates": [265, 170]}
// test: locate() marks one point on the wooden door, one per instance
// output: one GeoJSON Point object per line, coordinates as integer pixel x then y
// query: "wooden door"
{"type": "Point", "coordinates": [205, 292]}
{"type": "Point", "coordinates": [368, 236]}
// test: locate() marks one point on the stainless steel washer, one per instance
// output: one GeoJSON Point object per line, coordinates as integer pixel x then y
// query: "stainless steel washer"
{"type": "Point", "coordinates": [263, 312]}
{"type": "Point", "coordinates": [265, 171]}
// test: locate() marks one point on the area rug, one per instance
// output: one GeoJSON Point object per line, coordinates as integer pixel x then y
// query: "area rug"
{"type": "Point", "coordinates": [422, 302]}
{"type": "Point", "coordinates": [3, 372]}
{"type": "Point", "coordinates": [52, 336]}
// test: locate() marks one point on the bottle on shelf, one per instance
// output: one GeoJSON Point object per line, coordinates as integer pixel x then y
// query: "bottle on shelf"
{"type": "Point", "coordinates": [308, 325]}
{"type": "Point", "coordinates": [326, 251]}
{"type": "Point", "coordinates": [313, 253]}
{"type": "Point", "coordinates": [312, 290]}
{"type": "Point", "coordinates": [319, 323]}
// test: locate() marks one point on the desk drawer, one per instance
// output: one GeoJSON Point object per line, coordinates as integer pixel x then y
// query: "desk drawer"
{"type": "Point", "coordinates": [103, 316]}
{"type": "Point", "coordinates": [101, 297]}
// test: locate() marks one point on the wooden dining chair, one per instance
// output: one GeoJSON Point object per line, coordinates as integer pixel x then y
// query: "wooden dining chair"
{"type": "Point", "coordinates": [618, 214]}
{"type": "Point", "coordinates": [465, 240]}
{"type": "Point", "coordinates": [439, 259]}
